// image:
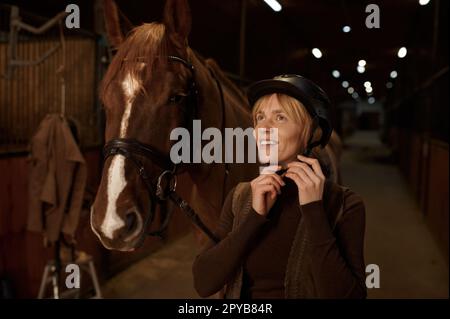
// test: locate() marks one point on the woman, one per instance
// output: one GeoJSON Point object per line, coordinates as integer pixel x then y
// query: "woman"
{"type": "Point", "coordinates": [290, 232]}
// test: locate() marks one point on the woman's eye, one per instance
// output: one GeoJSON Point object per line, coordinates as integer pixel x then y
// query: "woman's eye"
{"type": "Point", "coordinates": [280, 117]}
{"type": "Point", "coordinates": [176, 99]}
{"type": "Point", "coordinates": [259, 118]}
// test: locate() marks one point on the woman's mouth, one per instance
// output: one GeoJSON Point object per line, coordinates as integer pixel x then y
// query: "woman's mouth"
{"type": "Point", "coordinates": [268, 142]}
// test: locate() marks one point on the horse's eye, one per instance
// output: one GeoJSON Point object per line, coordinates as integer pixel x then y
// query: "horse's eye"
{"type": "Point", "coordinates": [176, 99]}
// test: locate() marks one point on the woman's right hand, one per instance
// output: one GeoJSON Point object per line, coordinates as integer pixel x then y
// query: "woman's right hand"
{"type": "Point", "coordinates": [265, 189]}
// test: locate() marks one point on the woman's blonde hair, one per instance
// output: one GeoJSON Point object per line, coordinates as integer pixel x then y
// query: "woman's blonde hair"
{"type": "Point", "coordinates": [295, 110]}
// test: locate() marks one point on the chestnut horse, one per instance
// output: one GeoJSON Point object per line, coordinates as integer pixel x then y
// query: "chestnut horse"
{"type": "Point", "coordinates": [154, 84]}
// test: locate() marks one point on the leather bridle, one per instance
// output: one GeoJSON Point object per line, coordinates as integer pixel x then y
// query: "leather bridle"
{"type": "Point", "coordinates": [165, 186]}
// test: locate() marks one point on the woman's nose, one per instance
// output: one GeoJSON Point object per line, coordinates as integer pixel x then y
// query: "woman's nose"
{"type": "Point", "coordinates": [265, 128]}
{"type": "Point", "coordinates": [267, 131]}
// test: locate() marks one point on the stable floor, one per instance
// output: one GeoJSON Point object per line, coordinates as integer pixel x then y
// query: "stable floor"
{"type": "Point", "coordinates": [397, 238]}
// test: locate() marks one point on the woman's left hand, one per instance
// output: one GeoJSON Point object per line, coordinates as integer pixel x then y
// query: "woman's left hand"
{"type": "Point", "coordinates": [308, 177]}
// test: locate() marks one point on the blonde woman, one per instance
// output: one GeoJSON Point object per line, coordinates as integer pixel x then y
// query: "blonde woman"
{"type": "Point", "coordinates": [290, 232]}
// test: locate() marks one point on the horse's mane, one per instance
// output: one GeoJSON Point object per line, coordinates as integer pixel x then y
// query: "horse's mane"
{"type": "Point", "coordinates": [234, 89]}
{"type": "Point", "coordinates": [145, 44]}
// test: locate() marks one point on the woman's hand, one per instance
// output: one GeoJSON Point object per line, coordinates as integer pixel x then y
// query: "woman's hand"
{"type": "Point", "coordinates": [308, 178]}
{"type": "Point", "coordinates": [265, 189]}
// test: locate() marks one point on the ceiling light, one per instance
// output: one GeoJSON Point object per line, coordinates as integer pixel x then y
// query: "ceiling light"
{"type": "Point", "coordinates": [424, 2]}
{"type": "Point", "coordinates": [360, 69]}
{"type": "Point", "coordinates": [350, 90]}
{"type": "Point", "coordinates": [371, 100]}
{"type": "Point", "coordinates": [274, 4]}
{"type": "Point", "coordinates": [317, 53]}
{"type": "Point", "coordinates": [345, 84]}
{"type": "Point", "coordinates": [346, 29]}
{"type": "Point", "coordinates": [394, 74]}
{"type": "Point", "coordinates": [367, 84]}
{"type": "Point", "coordinates": [362, 62]}
{"type": "Point", "coordinates": [402, 52]}
{"type": "Point", "coordinates": [389, 85]}
{"type": "Point", "coordinates": [336, 74]}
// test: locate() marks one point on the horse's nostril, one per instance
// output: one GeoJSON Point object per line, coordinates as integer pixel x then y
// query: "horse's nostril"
{"type": "Point", "coordinates": [131, 221]}
{"type": "Point", "coordinates": [132, 227]}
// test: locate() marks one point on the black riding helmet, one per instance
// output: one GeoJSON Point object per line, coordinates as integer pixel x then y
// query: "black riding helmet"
{"type": "Point", "coordinates": [307, 92]}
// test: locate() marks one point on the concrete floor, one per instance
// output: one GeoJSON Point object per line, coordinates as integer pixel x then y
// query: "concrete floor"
{"type": "Point", "coordinates": [397, 238]}
{"type": "Point", "coordinates": [165, 274]}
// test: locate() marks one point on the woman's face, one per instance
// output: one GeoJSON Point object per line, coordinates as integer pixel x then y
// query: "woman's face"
{"type": "Point", "coordinates": [272, 116]}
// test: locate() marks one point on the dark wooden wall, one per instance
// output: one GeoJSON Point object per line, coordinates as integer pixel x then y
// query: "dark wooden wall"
{"type": "Point", "coordinates": [418, 126]}
{"type": "Point", "coordinates": [436, 187]}
{"type": "Point", "coordinates": [31, 92]}
{"type": "Point", "coordinates": [424, 163]}
{"type": "Point", "coordinates": [416, 123]}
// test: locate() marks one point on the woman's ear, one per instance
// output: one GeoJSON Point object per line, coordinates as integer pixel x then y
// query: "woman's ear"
{"type": "Point", "coordinates": [177, 18]}
{"type": "Point", "coordinates": [317, 134]}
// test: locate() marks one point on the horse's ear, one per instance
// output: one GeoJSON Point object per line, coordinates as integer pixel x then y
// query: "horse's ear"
{"type": "Point", "coordinates": [112, 23]}
{"type": "Point", "coordinates": [177, 17]}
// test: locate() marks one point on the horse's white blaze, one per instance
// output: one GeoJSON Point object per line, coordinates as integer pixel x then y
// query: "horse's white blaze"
{"type": "Point", "coordinates": [130, 86]}
{"type": "Point", "coordinates": [116, 172]}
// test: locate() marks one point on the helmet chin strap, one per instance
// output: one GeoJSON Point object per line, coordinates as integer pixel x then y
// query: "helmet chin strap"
{"type": "Point", "coordinates": [310, 145]}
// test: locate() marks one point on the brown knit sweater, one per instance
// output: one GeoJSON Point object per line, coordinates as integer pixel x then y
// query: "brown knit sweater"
{"type": "Point", "coordinates": [262, 246]}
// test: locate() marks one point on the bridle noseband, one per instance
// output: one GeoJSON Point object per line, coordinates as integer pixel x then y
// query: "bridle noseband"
{"type": "Point", "coordinates": [165, 186]}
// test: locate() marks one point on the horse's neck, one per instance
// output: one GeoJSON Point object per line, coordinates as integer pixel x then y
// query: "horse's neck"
{"type": "Point", "coordinates": [210, 180]}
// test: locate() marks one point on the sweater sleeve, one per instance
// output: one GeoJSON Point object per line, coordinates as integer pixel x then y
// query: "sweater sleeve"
{"type": "Point", "coordinates": [216, 263]}
{"type": "Point", "coordinates": [338, 257]}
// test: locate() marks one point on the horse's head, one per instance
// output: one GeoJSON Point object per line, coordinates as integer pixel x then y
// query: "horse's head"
{"type": "Point", "coordinates": [145, 93]}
